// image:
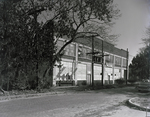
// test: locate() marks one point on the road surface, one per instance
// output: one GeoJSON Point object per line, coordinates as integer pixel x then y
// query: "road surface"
{"type": "Point", "coordinates": [102, 103]}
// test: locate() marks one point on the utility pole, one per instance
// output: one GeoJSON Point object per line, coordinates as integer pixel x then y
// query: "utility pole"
{"type": "Point", "coordinates": [103, 61]}
{"type": "Point", "coordinates": [149, 61]}
{"type": "Point", "coordinates": [127, 67]}
{"type": "Point", "coordinates": [92, 62]}
{"type": "Point", "coordinates": [102, 64]}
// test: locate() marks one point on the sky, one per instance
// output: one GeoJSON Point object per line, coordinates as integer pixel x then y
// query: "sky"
{"type": "Point", "coordinates": [131, 26]}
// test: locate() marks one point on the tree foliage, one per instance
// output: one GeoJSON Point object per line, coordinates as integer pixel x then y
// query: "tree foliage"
{"type": "Point", "coordinates": [27, 29]}
{"type": "Point", "coordinates": [72, 18]}
{"type": "Point", "coordinates": [140, 66]}
{"type": "Point", "coordinates": [25, 44]}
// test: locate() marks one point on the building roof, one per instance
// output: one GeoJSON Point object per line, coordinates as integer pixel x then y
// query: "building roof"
{"type": "Point", "coordinates": [107, 47]}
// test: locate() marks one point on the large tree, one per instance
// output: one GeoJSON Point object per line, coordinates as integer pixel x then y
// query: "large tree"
{"type": "Point", "coordinates": [80, 18]}
{"type": "Point", "coordinates": [35, 22]}
{"type": "Point", "coordinates": [7, 46]}
{"type": "Point", "coordinates": [140, 66]}
{"type": "Point", "coordinates": [24, 43]}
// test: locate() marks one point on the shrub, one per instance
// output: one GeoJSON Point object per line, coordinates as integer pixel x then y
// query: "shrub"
{"type": "Point", "coordinates": [98, 84]}
{"type": "Point", "coordinates": [132, 81]}
{"type": "Point", "coordinates": [120, 81]}
{"type": "Point", "coordinates": [33, 82]}
{"type": "Point", "coordinates": [84, 83]}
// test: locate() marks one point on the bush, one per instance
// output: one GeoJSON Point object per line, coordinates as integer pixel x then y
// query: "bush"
{"type": "Point", "coordinates": [98, 84]}
{"type": "Point", "coordinates": [120, 81]}
{"type": "Point", "coordinates": [84, 83]}
{"type": "Point", "coordinates": [33, 82]}
{"type": "Point", "coordinates": [132, 81]}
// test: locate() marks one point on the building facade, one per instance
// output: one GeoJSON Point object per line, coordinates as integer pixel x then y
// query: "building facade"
{"type": "Point", "coordinates": [76, 64]}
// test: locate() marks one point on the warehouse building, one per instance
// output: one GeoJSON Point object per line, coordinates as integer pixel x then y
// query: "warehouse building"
{"type": "Point", "coordinates": [76, 64]}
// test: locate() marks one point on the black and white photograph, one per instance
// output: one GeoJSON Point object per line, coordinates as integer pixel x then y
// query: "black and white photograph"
{"type": "Point", "coordinates": [74, 58]}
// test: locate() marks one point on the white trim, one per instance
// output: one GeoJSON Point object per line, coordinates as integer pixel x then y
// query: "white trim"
{"type": "Point", "coordinates": [67, 60]}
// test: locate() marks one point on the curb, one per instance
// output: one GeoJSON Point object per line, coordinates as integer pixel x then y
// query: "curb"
{"type": "Point", "coordinates": [27, 96]}
{"type": "Point", "coordinates": [8, 97]}
{"type": "Point", "coordinates": [143, 108]}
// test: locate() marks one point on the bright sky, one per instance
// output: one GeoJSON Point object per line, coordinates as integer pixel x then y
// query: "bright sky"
{"type": "Point", "coordinates": [132, 24]}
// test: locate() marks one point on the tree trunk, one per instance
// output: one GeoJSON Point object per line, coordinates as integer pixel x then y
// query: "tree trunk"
{"type": "Point", "coordinates": [2, 90]}
{"type": "Point", "coordinates": [48, 38]}
{"type": "Point", "coordinates": [51, 76]}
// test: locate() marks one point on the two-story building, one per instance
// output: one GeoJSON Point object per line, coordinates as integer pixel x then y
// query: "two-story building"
{"type": "Point", "coordinates": [76, 62]}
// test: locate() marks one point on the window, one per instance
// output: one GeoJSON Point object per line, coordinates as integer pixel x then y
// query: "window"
{"type": "Point", "coordinates": [66, 72]}
{"type": "Point", "coordinates": [70, 50]}
{"type": "Point", "coordinates": [82, 52]}
{"type": "Point", "coordinates": [88, 56]}
{"type": "Point", "coordinates": [109, 59]}
{"type": "Point", "coordinates": [117, 61]}
{"type": "Point", "coordinates": [67, 50]}
{"type": "Point", "coordinates": [124, 62]}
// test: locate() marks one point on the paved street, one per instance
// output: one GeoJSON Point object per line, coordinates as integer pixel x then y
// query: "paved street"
{"type": "Point", "coordinates": [101, 103]}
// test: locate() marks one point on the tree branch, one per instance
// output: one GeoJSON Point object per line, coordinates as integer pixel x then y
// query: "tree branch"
{"type": "Point", "coordinates": [82, 34]}
{"type": "Point", "coordinates": [61, 12]}
{"type": "Point", "coordinates": [74, 18]}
